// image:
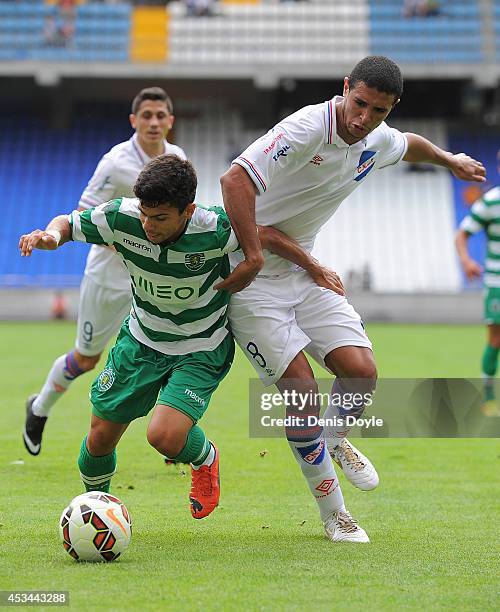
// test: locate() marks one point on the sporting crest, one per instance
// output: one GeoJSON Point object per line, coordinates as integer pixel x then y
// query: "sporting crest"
{"type": "Point", "coordinates": [194, 261]}
{"type": "Point", "coordinates": [106, 379]}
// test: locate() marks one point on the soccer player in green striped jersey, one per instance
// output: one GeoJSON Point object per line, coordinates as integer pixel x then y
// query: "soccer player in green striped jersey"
{"type": "Point", "coordinates": [176, 345]}
{"type": "Point", "coordinates": [484, 215]}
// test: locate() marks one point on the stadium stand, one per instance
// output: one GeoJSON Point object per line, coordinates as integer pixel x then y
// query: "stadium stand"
{"type": "Point", "coordinates": [101, 33]}
{"type": "Point", "coordinates": [262, 40]}
{"type": "Point", "coordinates": [454, 35]}
{"type": "Point", "coordinates": [42, 174]}
{"type": "Point", "coordinates": [289, 33]}
{"type": "Point", "coordinates": [250, 38]}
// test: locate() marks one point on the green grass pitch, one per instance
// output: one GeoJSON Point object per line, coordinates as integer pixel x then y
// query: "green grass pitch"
{"type": "Point", "coordinates": [433, 521]}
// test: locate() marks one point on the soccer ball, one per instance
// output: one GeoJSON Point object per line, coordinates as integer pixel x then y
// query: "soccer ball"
{"type": "Point", "coordinates": [95, 527]}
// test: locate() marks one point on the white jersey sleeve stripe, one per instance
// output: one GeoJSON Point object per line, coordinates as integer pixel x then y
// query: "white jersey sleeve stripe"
{"type": "Point", "coordinates": [253, 170]}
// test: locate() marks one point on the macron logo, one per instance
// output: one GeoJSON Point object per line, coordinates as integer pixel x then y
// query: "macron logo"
{"type": "Point", "coordinates": [196, 398]}
{"type": "Point", "coordinates": [137, 245]}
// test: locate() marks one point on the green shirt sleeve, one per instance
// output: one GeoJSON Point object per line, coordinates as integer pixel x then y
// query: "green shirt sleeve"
{"type": "Point", "coordinates": [95, 225]}
{"type": "Point", "coordinates": [227, 238]}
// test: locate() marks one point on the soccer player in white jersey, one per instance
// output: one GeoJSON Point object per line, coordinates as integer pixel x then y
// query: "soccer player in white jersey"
{"type": "Point", "coordinates": [176, 346]}
{"type": "Point", "coordinates": [105, 293]}
{"type": "Point", "coordinates": [301, 171]}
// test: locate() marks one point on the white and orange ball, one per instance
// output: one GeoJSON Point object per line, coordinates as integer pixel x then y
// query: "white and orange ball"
{"type": "Point", "coordinates": [95, 527]}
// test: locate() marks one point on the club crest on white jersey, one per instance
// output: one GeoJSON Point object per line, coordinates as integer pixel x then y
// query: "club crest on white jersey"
{"type": "Point", "coordinates": [366, 163]}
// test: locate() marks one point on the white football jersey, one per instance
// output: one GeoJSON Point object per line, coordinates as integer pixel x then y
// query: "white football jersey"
{"type": "Point", "coordinates": [115, 177]}
{"type": "Point", "coordinates": [303, 171]}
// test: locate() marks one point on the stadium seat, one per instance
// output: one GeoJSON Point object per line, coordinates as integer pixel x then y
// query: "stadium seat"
{"type": "Point", "coordinates": [453, 36]}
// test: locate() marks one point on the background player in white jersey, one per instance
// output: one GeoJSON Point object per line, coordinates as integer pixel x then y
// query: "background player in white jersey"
{"type": "Point", "coordinates": [484, 216]}
{"type": "Point", "coordinates": [105, 293]}
{"type": "Point", "coordinates": [301, 171]}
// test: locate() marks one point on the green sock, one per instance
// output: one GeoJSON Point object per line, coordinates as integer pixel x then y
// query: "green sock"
{"type": "Point", "coordinates": [96, 472]}
{"type": "Point", "coordinates": [489, 365]}
{"type": "Point", "coordinates": [196, 449]}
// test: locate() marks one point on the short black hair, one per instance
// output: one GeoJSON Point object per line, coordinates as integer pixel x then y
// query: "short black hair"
{"type": "Point", "coordinates": [152, 93]}
{"type": "Point", "coordinates": [379, 72]}
{"type": "Point", "coordinates": [167, 179]}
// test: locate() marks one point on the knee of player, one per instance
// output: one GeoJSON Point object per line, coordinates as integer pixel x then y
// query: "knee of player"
{"type": "Point", "coordinates": [166, 442]}
{"type": "Point", "coordinates": [366, 370]}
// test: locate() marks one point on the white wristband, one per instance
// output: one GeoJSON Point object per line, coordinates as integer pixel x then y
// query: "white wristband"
{"type": "Point", "coordinates": [55, 234]}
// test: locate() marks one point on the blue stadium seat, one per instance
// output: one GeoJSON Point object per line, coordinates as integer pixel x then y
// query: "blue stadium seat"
{"type": "Point", "coordinates": [453, 36]}
{"type": "Point", "coordinates": [101, 32]}
{"type": "Point", "coordinates": [42, 179]}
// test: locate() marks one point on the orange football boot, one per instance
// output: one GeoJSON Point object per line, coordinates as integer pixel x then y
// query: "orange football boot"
{"type": "Point", "coordinates": [205, 488]}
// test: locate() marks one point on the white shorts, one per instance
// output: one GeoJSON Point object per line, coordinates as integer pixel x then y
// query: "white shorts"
{"type": "Point", "coordinates": [275, 318]}
{"type": "Point", "coordinates": [101, 312]}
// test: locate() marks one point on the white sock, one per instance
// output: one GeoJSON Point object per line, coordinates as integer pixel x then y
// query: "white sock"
{"type": "Point", "coordinates": [334, 434]}
{"type": "Point", "coordinates": [54, 387]}
{"type": "Point", "coordinates": [209, 459]}
{"type": "Point", "coordinates": [319, 472]}
{"type": "Point", "coordinates": [335, 413]}
{"type": "Point", "coordinates": [488, 381]}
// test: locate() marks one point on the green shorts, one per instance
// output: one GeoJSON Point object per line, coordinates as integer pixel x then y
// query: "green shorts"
{"type": "Point", "coordinates": [137, 377]}
{"type": "Point", "coordinates": [492, 306]}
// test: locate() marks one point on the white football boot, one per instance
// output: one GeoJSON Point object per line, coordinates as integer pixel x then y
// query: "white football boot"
{"type": "Point", "coordinates": [358, 469]}
{"type": "Point", "coordinates": [341, 527]}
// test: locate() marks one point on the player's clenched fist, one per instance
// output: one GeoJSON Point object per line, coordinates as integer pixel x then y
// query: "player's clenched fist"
{"type": "Point", "coordinates": [38, 239]}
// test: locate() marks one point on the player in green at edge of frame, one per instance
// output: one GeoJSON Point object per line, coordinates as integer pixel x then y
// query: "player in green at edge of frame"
{"type": "Point", "coordinates": [301, 171]}
{"type": "Point", "coordinates": [176, 346]}
{"type": "Point", "coordinates": [485, 215]}
{"type": "Point", "coordinates": [105, 293]}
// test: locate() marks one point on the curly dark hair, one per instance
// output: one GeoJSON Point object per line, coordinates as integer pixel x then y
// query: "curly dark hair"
{"type": "Point", "coordinates": [152, 93]}
{"type": "Point", "coordinates": [167, 179]}
{"type": "Point", "coordinates": [380, 73]}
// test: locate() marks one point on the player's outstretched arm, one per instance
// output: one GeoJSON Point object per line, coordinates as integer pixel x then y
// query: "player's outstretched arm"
{"type": "Point", "coordinates": [238, 192]}
{"type": "Point", "coordinates": [421, 150]}
{"type": "Point", "coordinates": [470, 267]}
{"type": "Point", "coordinates": [279, 243]}
{"type": "Point", "coordinates": [57, 232]}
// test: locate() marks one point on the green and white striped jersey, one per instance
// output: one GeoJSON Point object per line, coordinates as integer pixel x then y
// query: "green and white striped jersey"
{"type": "Point", "coordinates": [175, 309]}
{"type": "Point", "coordinates": [485, 215]}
